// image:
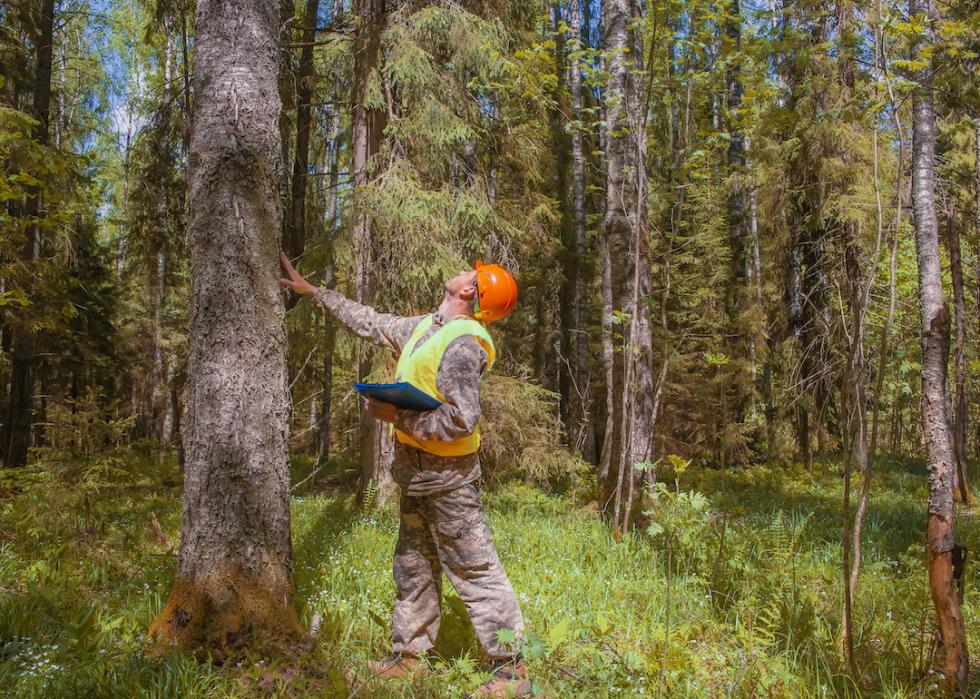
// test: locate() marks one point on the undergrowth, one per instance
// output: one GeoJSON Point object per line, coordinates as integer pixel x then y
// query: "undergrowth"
{"type": "Point", "coordinates": [730, 588]}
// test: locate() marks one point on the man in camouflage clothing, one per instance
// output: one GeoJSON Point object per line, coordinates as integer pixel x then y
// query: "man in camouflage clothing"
{"type": "Point", "coordinates": [443, 527]}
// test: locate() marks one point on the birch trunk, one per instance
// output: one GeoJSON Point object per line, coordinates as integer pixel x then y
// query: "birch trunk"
{"type": "Point", "coordinates": [936, 424]}
{"type": "Point", "coordinates": [233, 584]}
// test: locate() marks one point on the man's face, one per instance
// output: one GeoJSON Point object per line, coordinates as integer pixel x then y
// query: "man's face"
{"type": "Point", "coordinates": [461, 281]}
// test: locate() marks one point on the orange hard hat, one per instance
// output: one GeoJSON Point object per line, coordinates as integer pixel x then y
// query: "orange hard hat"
{"type": "Point", "coordinates": [496, 292]}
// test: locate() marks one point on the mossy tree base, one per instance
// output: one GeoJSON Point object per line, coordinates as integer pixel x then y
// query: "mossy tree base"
{"type": "Point", "coordinates": [223, 615]}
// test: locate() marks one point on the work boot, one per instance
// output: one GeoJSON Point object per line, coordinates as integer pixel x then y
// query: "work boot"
{"type": "Point", "coordinates": [396, 666]}
{"type": "Point", "coordinates": [508, 681]}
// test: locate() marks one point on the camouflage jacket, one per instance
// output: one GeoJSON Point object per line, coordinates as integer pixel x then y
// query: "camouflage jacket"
{"type": "Point", "coordinates": [419, 472]}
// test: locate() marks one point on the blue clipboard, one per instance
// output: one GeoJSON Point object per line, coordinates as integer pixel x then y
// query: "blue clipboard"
{"type": "Point", "coordinates": [401, 395]}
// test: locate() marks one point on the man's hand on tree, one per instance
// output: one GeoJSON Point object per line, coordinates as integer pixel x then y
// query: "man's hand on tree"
{"type": "Point", "coordinates": [380, 410]}
{"type": "Point", "coordinates": [293, 280]}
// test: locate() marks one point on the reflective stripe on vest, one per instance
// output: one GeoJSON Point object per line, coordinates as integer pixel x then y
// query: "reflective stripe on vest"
{"type": "Point", "coordinates": [420, 367]}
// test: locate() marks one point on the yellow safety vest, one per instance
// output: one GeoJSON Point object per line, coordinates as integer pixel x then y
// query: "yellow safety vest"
{"type": "Point", "coordinates": [420, 367]}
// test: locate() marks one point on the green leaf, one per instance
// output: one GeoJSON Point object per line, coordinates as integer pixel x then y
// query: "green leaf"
{"type": "Point", "coordinates": [377, 619]}
{"type": "Point", "coordinates": [602, 624]}
{"type": "Point", "coordinates": [559, 633]}
{"type": "Point", "coordinates": [506, 637]}
{"type": "Point", "coordinates": [13, 297]}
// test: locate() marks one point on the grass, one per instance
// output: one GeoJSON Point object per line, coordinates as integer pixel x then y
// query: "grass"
{"type": "Point", "coordinates": [751, 572]}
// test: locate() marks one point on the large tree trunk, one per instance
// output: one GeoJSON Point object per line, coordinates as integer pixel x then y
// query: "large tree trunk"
{"type": "Point", "coordinates": [624, 231]}
{"type": "Point", "coordinates": [233, 584]}
{"type": "Point", "coordinates": [20, 397]}
{"type": "Point", "coordinates": [936, 424]}
{"type": "Point", "coordinates": [366, 132]}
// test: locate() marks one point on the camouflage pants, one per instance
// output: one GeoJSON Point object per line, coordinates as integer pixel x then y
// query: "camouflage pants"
{"type": "Point", "coordinates": [450, 531]}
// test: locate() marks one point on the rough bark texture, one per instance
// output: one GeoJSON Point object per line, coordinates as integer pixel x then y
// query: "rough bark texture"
{"type": "Point", "coordinates": [233, 585]}
{"type": "Point", "coordinates": [20, 397]}
{"type": "Point", "coordinates": [624, 230]}
{"type": "Point", "coordinates": [976, 237]}
{"type": "Point", "coordinates": [936, 424]}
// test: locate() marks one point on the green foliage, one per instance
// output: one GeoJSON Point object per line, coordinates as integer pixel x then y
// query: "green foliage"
{"type": "Point", "coordinates": [679, 522]}
{"type": "Point", "coordinates": [86, 456]}
{"type": "Point", "coordinates": [754, 599]}
{"type": "Point", "coordinates": [521, 434]}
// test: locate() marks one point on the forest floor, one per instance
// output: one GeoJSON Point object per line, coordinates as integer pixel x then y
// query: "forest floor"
{"type": "Point", "coordinates": [743, 582]}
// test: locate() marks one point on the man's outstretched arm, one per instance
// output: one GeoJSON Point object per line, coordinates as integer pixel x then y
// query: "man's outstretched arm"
{"type": "Point", "coordinates": [384, 329]}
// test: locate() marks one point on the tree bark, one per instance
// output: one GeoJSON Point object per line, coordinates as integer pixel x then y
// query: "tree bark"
{"type": "Point", "coordinates": [294, 236]}
{"type": "Point", "coordinates": [233, 584]}
{"type": "Point", "coordinates": [20, 397]}
{"type": "Point", "coordinates": [624, 231]}
{"type": "Point", "coordinates": [366, 133]}
{"type": "Point", "coordinates": [739, 294]}
{"type": "Point", "coordinates": [330, 331]}
{"type": "Point", "coordinates": [583, 439]}
{"type": "Point", "coordinates": [567, 312]}
{"type": "Point", "coordinates": [936, 424]}
{"type": "Point", "coordinates": [976, 237]}
{"type": "Point", "coordinates": [960, 412]}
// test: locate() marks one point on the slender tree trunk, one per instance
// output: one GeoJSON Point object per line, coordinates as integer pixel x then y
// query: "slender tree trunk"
{"type": "Point", "coordinates": [562, 146]}
{"type": "Point", "coordinates": [960, 412]}
{"type": "Point", "coordinates": [856, 434]}
{"type": "Point", "coordinates": [585, 440]}
{"type": "Point", "coordinates": [186, 80]}
{"type": "Point", "coordinates": [886, 328]}
{"type": "Point", "coordinates": [858, 428]}
{"type": "Point", "coordinates": [286, 81]}
{"type": "Point", "coordinates": [20, 397]}
{"type": "Point", "coordinates": [976, 236]}
{"type": "Point", "coordinates": [294, 235]}
{"type": "Point", "coordinates": [936, 423]}
{"type": "Point", "coordinates": [366, 132]}
{"type": "Point", "coordinates": [860, 278]}
{"type": "Point", "coordinates": [738, 295]}
{"type": "Point", "coordinates": [608, 354]}
{"type": "Point", "coordinates": [330, 331]}
{"type": "Point", "coordinates": [157, 272]}
{"type": "Point", "coordinates": [233, 585]}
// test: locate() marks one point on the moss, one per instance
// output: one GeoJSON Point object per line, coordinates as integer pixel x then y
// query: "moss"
{"type": "Point", "coordinates": [224, 614]}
